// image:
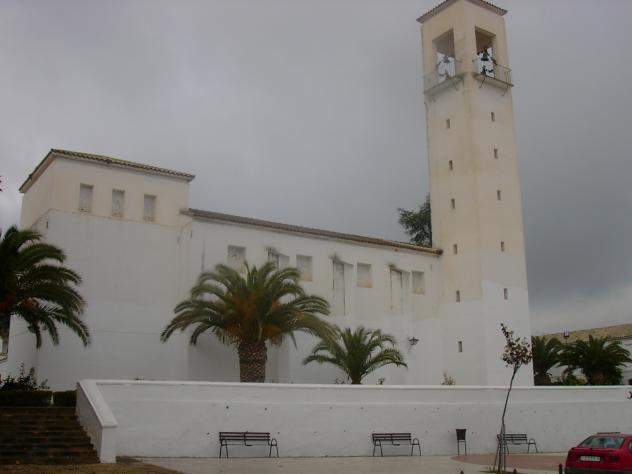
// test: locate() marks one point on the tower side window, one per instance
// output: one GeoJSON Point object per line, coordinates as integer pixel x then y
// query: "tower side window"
{"type": "Point", "coordinates": [149, 208]}
{"type": "Point", "coordinates": [85, 197]}
{"type": "Point", "coordinates": [447, 124]}
{"type": "Point", "coordinates": [304, 265]}
{"type": "Point", "coordinates": [458, 296]}
{"type": "Point", "coordinates": [236, 257]}
{"type": "Point", "coordinates": [450, 165]}
{"type": "Point", "coordinates": [492, 116]}
{"type": "Point", "coordinates": [498, 194]}
{"type": "Point", "coordinates": [419, 283]}
{"type": "Point", "coordinates": [496, 153]}
{"type": "Point", "coordinates": [502, 245]}
{"type": "Point", "coordinates": [364, 279]}
{"type": "Point", "coordinates": [452, 203]}
{"type": "Point", "coordinates": [455, 249]}
{"type": "Point", "coordinates": [118, 202]}
{"type": "Point", "coordinates": [460, 346]}
{"type": "Point", "coordinates": [506, 293]}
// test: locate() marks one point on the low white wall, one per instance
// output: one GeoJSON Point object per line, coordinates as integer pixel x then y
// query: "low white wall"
{"type": "Point", "coordinates": [183, 418]}
{"type": "Point", "coordinates": [95, 416]}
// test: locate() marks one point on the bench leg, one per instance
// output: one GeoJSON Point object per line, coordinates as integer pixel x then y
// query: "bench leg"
{"type": "Point", "coordinates": [374, 445]}
{"type": "Point", "coordinates": [220, 449]}
{"type": "Point", "coordinates": [412, 447]}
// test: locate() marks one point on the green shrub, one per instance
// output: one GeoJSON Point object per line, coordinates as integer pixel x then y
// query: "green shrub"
{"type": "Point", "coordinates": [24, 381]}
{"type": "Point", "coordinates": [25, 398]}
{"type": "Point", "coordinates": [65, 399]}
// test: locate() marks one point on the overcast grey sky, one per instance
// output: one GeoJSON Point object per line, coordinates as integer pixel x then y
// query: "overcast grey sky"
{"type": "Point", "coordinates": [311, 112]}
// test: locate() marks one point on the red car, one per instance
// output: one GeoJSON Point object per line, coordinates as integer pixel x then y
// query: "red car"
{"type": "Point", "coordinates": [602, 453]}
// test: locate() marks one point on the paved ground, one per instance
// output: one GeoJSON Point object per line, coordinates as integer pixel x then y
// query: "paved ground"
{"type": "Point", "coordinates": [353, 465]}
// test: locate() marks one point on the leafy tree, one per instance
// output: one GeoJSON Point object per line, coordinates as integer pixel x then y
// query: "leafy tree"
{"type": "Point", "coordinates": [357, 353]}
{"type": "Point", "coordinates": [418, 224]}
{"type": "Point", "coordinates": [35, 286]}
{"type": "Point", "coordinates": [600, 360]}
{"type": "Point", "coordinates": [546, 355]}
{"type": "Point", "coordinates": [263, 307]}
{"type": "Point", "coordinates": [516, 354]}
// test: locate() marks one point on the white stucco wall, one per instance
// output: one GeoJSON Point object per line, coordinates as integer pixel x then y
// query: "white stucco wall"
{"type": "Point", "coordinates": [183, 419]}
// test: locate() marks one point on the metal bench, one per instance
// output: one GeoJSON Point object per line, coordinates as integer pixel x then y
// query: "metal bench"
{"type": "Point", "coordinates": [517, 439]}
{"type": "Point", "coordinates": [246, 438]}
{"type": "Point", "coordinates": [395, 439]}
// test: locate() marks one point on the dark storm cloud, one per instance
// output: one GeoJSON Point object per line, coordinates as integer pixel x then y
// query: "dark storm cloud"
{"type": "Point", "coordinates": [311, 112]}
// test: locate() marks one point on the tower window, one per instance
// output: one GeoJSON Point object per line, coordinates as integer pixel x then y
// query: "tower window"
{"type": "Point", "coordinates": [502, 245]}
{"type": "Point", "coordinates": [506, 293]}
{"type": "Point", "coordinates": [450, 165]}
{"type": "Point", "coordinates": [85, 197]}
{"type": "Point", "coordinates": [447, 124]}
{"type": "Point", "coordinates": [498, 195]}
{"type": "Point", "coordinates": [496, 153]}
{"type": "Point", "coordinates": [460, 346]}
{"type": "Point", "coordinates": [455, 249]}
{"type": "Point", "coordinates": [452, 203]}
{"type": "Point", "coordinates": [458, 296]}
{"type": "Point", "coordinates": [493, 116]}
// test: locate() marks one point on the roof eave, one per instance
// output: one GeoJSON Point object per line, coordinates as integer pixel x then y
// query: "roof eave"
{"type": "Point", "coordinates": [293, 229]}
{"type": "Point", "coordinates": [445, 4]}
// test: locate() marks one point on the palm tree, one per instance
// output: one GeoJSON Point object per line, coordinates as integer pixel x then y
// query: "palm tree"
{"type": "Point", "coordinates": [263, 307]}
{"type": "Point", "coordinates": [357, 353]}
{"type": "Point", "coordinates": [35, 286]}
{"type": "Point", "coordinates": [546, 355]}
{"type": "Point", "coordinates": [600, 360]}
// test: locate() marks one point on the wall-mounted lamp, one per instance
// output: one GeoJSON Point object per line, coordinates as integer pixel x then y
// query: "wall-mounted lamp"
{"type": "Point", "coordinates": [413, 341]}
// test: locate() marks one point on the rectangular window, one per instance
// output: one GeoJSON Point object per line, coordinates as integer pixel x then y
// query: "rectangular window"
{"type": "Point", "coordinates": [397, 291]}
{"type": "Point", "coordinates": [419, 283]}
{"type": "Point", "coordinates": [280, 261]}
{"type": "Point", "coordinates": [236, 258]}
{"type": "Point", "coordinates": [506, 293]}
{"type": "Point", "coordinates": [364, 277]}
{"type": "Point", "coordinates": [85, 197]}
{"type": "Point", "coordinates": [447, 124]}
{"type": "Point", "coordinates": [455, 249]}
{"type": "Point", "coordinates": [149, 208]}
{"type": "Point", "coordinates": [458, 296]}
{"type": "Point", "coordinates": [118, 202]}
{"type": "Point", "coordinates": [502, 245]}
{"type": "Point", "coordinates": [304, 265]}
{"type": "Point", "coordinates": [339, 288]}
{"type": "Point", "coordinates": [496, 153]}
{"type": "Point", "coordinates": [452, 203]}
{"type": "Point", "coordinates": [451, 165]}
{"type": "Point", "coordinates": [460, 346]}
{"type": "Point", "coordinates": [498, 195]}
{"type": "Point", "coordinates": [493, 116]}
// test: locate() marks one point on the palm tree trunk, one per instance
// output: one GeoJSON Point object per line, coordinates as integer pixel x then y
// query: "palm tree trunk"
{"type": "Point", "coordinates": [252, 361]}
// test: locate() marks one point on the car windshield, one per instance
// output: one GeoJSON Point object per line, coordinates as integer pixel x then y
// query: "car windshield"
{"type": "Point", "coordinates": [603, 441]}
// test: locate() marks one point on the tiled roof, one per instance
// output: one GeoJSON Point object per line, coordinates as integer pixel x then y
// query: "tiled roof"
{"type": "Point", "coordinates": [621, 331]}
{"type": "Point", "coordinates": [106, 160]}
{"type": "Point", "coordinates": [293, 229]}
{"type": "Point", "coordinates": [445, 4]}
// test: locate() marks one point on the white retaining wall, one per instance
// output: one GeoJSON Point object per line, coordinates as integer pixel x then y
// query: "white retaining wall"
{"type": "Point", "coordinates": [182, 419]}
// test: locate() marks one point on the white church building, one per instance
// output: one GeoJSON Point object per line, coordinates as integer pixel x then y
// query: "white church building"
{"type": "Point", "coordinates": [128, 230]}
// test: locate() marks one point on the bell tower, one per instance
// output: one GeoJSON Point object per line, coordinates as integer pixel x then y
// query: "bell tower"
{"type": "Point", "coordinates": [474, 188]}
